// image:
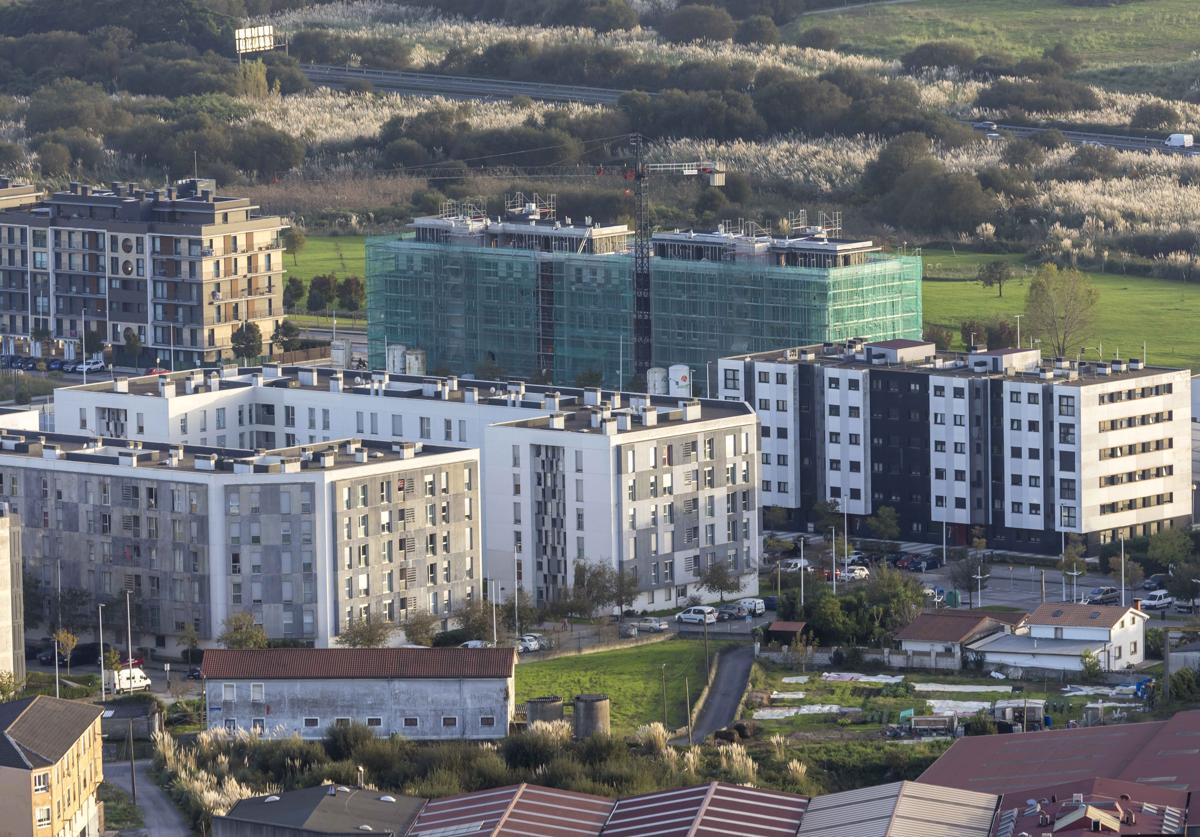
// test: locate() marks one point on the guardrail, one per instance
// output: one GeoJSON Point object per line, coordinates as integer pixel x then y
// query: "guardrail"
{"type": "Point", "coordinates": [445, 85]}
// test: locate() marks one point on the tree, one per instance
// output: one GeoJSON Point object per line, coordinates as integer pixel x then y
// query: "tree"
{"type": "Point", "coordinates": [54, 158]}
{"type": "Point", "coordinates": [76, 609]}
{"type": "Point", "coordinates": [1170, 546]}
{"type": "Point", "coordinates": [941, 336]}
{"type": "Point", "coordinates": [419, 627]}
{"type": "Point", "coordinates": [963, 574]}
{"type": "Point", "coordinates": [10, 686]}
{"type": "Point", "coordinates": [293, 293]}
{"type": "Point", "coordinates": [352, 293]}
{"type": "Point", "coordinates": [294, 240]}
{"type": "Point", "coordinates": [112, 659]}
{"type": "Point", "coordinates": [240, 632]}
{"type": "Point", "coordinates": [757, 29]}
{"type": "Point", "coordinates": [819, 37]}
{"type": "Point", "coordinates": [189, 638]}
{"type": "Point", "coordinates": [899, 597]}
{"type": "Point", "coordinates": [717, 578]}
{"type": "Point", "coordinates": [884, 524]}
{"type": "Point", "coordinates": [994, 274]}
{"type": "Point", "coordinates": [93, 342]}
{"type": "Point", "coordinates": [697, 23]}
{"type": "Point", "coordinates": [1090, 666]}
{"type": "Point", "coordinates": [247, 341]}
{"type": "Point", "coordinates": [66, 644]}
{"type": "Point", "coordinates": [35, 601]}
{"type": "Point", "coordinates": [594, 587]}
{"type": "Point", "coordinates": [1154, 116]}
{"type": "Point", "coordinates": [1060, 308]}
{"type": "Point", "coordinates": [827, 514]}
{"type": "Point", "coordinates": [475, 619]}
{"type": "Point", "coordinates": [365, 633]}
{"type": "Point", "coordinates": [322, 291]}
{"type": "Point", "coordinates": [133, 345]}
{"type": "Point", "coordinates": [287, 336]}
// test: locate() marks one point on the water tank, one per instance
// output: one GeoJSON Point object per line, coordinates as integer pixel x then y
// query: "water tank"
{"type": "Point", "coordinates": [549, 708]}
{"type": "Point", "coordinates": [591, 715]}
{"type": "Point", "coordinates": [414, 362]}
{"type": "Point", "coordinates": [656, 380]}
{"type": "Point", "coordinates": [394, 362]}
{"type": "Point", "coordinates": [681, 381]}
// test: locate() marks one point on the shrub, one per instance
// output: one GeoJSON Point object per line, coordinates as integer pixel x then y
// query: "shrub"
{"type": "Point", "coordinates": [818, 37]}
{"type": "Point", "coordinates": [758, 29]}
{"type": "Point", "coordinates": [939, 54]}
{"type": "Point", "coordinates": [697, 23]}
{"type": "Point", "coordinates": [1048, 94]}
{"type": "Point", "coordinates": [341, 742]}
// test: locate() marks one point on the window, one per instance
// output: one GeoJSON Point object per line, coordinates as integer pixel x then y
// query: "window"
{"type": "Point", "coordinates": [449, 721]}
{"type": "Point", "coordinates": [41, 782]}
{"type": "Point", "coordinates": [228, 691]}
{"type": "Point", "coordinates": [834, 383]}
{"type": "Point", "coordinates": [43, 816]}
{"type": "Point", "coordinates": [374, 722]}
{"type": "Point", "coordinates": [410, 721]}
{"type": "Point", "coordinates": [257, 692]}
{"type": "Point", "coordinates": [311, 723]}
{"type": "Point", "coordinates": [1066, 434]}
{"type": "Point", "coordinates": [1066, 405]}
{"type": "Point", "coordinates": [487, 720]}
{"type": "Point", "coordinates": [258, 726]}
{"type": "Point", "coordinates": [341, 722]}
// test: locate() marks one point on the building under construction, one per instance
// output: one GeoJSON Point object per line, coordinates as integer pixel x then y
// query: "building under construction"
{"type": "Point", "coordinates": [529, 296]}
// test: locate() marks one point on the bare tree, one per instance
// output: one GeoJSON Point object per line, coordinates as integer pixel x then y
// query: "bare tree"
{"type": "Point", "coordinates": [1061, 307]}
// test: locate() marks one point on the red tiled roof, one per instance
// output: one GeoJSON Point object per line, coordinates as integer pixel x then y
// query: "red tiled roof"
{"type": "Point", "coordinates": [713, 810]}
{"type": "Point", "coordinates": [515, 810]}
{"type": "Point", "coordinates": [1157, 810]}
{"type": "Point", "coordinates": [358, 663]}
{"type": "Point", "coordinates": [947, 626]}
{"type": "Point", "coordinates": [1162, 753]}
{"type": "Point", "coordinates": [1079, 615]}
{"type": "Point", "coordinates": [787, 627]}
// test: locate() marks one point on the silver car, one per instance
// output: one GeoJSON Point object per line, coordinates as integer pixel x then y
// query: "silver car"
{"type": "Point", "coordinates": [651, 625]}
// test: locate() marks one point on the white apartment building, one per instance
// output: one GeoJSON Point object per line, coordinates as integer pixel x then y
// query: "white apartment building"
{"type": "Point", "coordinates": [304, 538]}
{"type": "Point", "coordinates": [655, 490]}
{"type": "Point", "coordinates": [1029, 449]}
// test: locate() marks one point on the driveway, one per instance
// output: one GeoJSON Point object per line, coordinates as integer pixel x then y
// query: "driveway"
{"type": "Point", "coordinates": [720, 707]}
{"type": "Point", "coordinates": [162, 818]}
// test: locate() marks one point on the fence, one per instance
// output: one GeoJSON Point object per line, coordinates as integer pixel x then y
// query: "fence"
{"type": "Point", "coordinates": [302, 355]}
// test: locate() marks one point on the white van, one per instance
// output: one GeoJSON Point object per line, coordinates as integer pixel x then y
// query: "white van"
{"type": "Point", "coordinates": [755, 607]}
{"type": "Point", "coordinates": [127, 680]}
{"type": "Point", "coordinates": [795, 565]}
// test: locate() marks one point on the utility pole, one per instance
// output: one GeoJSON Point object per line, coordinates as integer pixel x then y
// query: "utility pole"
{"type": "Point", "coordinates": [132, 770]}
{"type": "Point", "coordinates": [664, 691]}
{"type": "Point", "coordinates": [100, 616]}
{"type": "Point", "coordinates": [495, 640]}
{"type": "Point", "coordinates": [707, 662]}
{"type": "Point", "coordinates": [1074, 573]}
{"type": "Point", "coordinates": [1019, 316]}
{"type": "Point", "coordinates": [803, 571]}
{"type": "Point", "coordinates": [979, 579]}
{"type": "Point", "coordinates": [56, 690]}
{"type": "Point", "coordinates": [833, 555]}
{"type": "Point", "coordinates": [128, 639]}
{"type": "Point", "coordinates": [516, 596]}
{"type": "Point", "coordinates": [1122, 572]}
{"type": "Point", "coordinates": [687, 693]}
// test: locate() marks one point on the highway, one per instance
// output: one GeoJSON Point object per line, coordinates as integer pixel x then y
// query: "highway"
{"type": "Point", "coordinates": [468, 87]}
{"type": "Point", "coordinates": [459, 87]}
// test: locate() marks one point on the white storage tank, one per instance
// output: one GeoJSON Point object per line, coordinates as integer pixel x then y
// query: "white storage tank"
{"type": "Point", "coordinates": [656, 380]}
{"type": "Point", "coordinates": [680, 381]}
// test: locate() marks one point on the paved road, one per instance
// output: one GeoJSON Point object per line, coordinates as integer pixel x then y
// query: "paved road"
{"type": "Point", "coordinates": [726, 693]}
{"type": "Point", "coordinates": [162, 818]}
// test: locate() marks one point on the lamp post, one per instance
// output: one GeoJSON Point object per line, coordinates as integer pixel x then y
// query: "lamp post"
{"type": "Point", "coordinates": [664, 691]}
{"type": "Point", "coordinates": [833, 555]}
{"type": "Point", "coordinates": [803, 572]}
{"type": "Point", "coordinates": [128, 637]}
{"type": "Point", "coordinates": [1074, 573]}
{"type": "Point", "coordinates": [516, 595]}
{"type": "Point", "coordinates": [100, 632]}
{"type": "Point", "coordinates": [979, 579]}
{"type": "Point", "coordinates": [1019, 316]}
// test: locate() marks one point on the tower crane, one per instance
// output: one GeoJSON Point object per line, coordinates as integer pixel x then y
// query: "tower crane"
{"type": "Point", "coordinates": [641, 173]}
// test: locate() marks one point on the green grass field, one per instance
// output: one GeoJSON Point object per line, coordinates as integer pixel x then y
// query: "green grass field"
{"type": "Point", "coordinates": [1148, 31]}
{"type": "Point", "coordinates": [1132, 309]}
{"type": "Point", "coordinates": [341, 255]}
{"type": "Point", "coordinates": [632, 678]}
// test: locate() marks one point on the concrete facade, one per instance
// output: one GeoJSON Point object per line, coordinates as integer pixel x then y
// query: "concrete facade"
{"type": "Point", "coordinates": [657, 494]}
{"type": "Point", "coordinates": [181, 268]}
{"type": "Point", "coordinates": [304, 538]}
{"type": "Point", "coordinates": [12, 600]}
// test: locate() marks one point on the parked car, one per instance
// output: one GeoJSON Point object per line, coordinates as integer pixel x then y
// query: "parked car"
{"type": "Point", "coordinates": [1158, 600]}
{"type": "Point", "coordinates": [1103, 596]}
{"type": "Point", "coordinates": [139, 659]}
{"type": "Point", "coordinates": [1155, 582]}
{"type": "Point", "coordinates": [526, 644]}
{"type": "Point", "coordinates": [29, 363]}
{"type": "Point", "coordinates": [697, 615]}
{"type": "Point", "coordinates": [853, 573]}
{"type": "Point", "coordinates": [730, 611]}
{"type": "Point", "coordinates": [86, 653]}
{"type": "Point", "coordinates": [986, 125]}
{"type": "Point", "coordinates": [755, 607]}
{"type": "Point", "coordinates": [193, 673]}
{"type": "Point", "coordinates": [55, 365]}
{"type": "Point", "coordinates": [127, 680]}
{"type": "Point", "coordinates": [157, 370]}
{"type": "Point", "coordinates": [94, 365]}
{"type": "Point", "coordinates": [70, 365]}
{"type": "Point", "coordinates": [771, 602]}
{"type": "Point", "coordinates": [795, 565]}
{"type": "Point", "coordinates": [476, 643]}
{"type": "Point", "coordinates": [651, 625]}
{"type": "Point", "coordinates": [1187, 606]}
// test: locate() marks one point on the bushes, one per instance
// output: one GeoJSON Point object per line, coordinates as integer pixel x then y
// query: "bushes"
{"type": "Point", "coordinates": [1050, 95]}
{"type": "Point", "coordinates": [696, 23]}
{"type": "Point", "coordinates": [940, 55]}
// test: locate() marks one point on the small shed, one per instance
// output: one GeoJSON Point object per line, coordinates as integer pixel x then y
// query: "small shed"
{"type": "Point", "coordinates": [145, 715]}
{"type": "Point", "coordinates": [785, 632]}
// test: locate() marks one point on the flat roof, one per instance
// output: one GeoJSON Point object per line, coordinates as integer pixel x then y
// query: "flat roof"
{"type": "Point", "coordinates": [1161, 753]}
{"type": "Point", "coordinates": [358, 663]}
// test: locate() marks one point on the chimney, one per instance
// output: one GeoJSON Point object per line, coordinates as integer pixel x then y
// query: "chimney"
{"type": "Point", "coordinates": [205, 461]}
{"type": "Point", "coordinates": [689, 410]}
{"type": "Point", "coordinates": [166, 387]}
{"type": "Point", "coordinates": [615, 401]}
{"type": "Point", "coordinates": [115, 187]}
{"type": "Point", "coordinates": [327, 458]}
{"type": "Point", "coordinates": [608, 427]}
{"type": "Point", "coordinates": [73, 187]}
{"type": "Point", "coordinates": [452, 383]}
{"type": "Point", "coordinates": [595, 418]}
{"type": "Point", "coordinates": [121, 385]}
{"type": "Point", "coordinates": [256, 379]}
{"type": "Point", "coordinates": [361, 455]}
{"type": "Point", "coordinates": [591, 397]}
{"type": "Point", "coordinates": [405, 450]}
{"type": "Point", "coordinates": [557, 421]}
{"type": "Point", "coordinates": [470, 395]}
{"type": "Point", "coordinates": [335, 382]}
{"type": "Point", "coordinates": [272, 370]}
{"type": "Point", "coordinates": [649, 417]}
{"type": "Point", "coordinates": [1136, 363]}
{"type": "Point", "coordinates": [214, 381]}
{"type": "Point", "coordinates": [307, 376]}
{"type": "Point", "coordinates": [624, 421]}
{"type": "Point", "coordinates": [551, 400]}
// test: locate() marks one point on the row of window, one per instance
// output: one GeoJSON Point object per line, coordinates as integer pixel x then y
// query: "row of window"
{"type": "Point", "coordinates": [259, 725]}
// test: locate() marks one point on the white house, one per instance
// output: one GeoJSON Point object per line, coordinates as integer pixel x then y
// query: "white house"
{"type": "Point", "coordinates": [1057, 635]}
{"type": "Point", "coordinates": [935, 639]}
{"type": "Point", "coordinates": [431, 694]}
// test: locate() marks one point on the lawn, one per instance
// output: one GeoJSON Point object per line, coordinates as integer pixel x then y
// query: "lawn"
{"type": "Point", "coordinates": [120, 814]}
{"type": "Point", "coordinates": [341, 255]}
{"type": "Point", "coordinates": [1149, 31]}
{"type": "Point", "coordinates": [632, 678]}
{"type": "Point", "coordinates": [1132, 309]}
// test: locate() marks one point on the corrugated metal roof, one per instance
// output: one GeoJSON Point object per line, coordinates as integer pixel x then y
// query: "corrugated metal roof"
{"type": "Point", "coordinates": [358, 663]}
{"type": "Point", "coordinates": [901, 809]}
{"type": "Point", "coordinates": [717, 809]}
{"type": "Point", "coordinates": [1163, 753]}
{"type": "Point", "coordinates": [514, 811]}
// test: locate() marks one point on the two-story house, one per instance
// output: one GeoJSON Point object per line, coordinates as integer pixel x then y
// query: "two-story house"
{"type": "Point", "coordinates": [419, 693]}
{"type": "Point", "coordinates": [50, 768]}
{"type": "Point", "coordinates": [1057, 635]}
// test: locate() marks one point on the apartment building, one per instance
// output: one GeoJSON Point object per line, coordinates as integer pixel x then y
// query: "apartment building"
{"type": "Point", "coordinates": [655, 491]}
{"type": "Point", "coordinates": [1029, 449]}
{"type": "Point", "coordinates": [305, 538]}
{"type": "Point", "coordinates": [12, 599]}
{"type": "Point", "coordinates": [50, 768]}
{"type": "Point", "coordinates": [180, 269]}
{"type": "Point", "coordinates": [552, 300]}
{"type": "Point", "coordinates": [15, 195]}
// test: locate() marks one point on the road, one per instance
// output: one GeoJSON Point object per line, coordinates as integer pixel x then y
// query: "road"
{"type": "Point", "coordinates": [459, 87]}
{"type": "Point", "coordinates": [720, 707]}
{"type": "Point", "coordinates": [161, 817]}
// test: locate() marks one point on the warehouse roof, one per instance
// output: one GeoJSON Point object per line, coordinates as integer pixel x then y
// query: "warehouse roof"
{"type": "Point", "coordinates": [329, 809]}
{"type": "Point", "coordinates": [515, 810]}
{"type": "Point", "coordinates": [358, 663]}
{"type": "Point", "coordinates": [717, 809]}
{"type": "Point", "coordinates": [901, 809]}
{"type": "Point", "coordinates": [1162, 753]}
{"type": "Point", "coordinates": [1154, 810]}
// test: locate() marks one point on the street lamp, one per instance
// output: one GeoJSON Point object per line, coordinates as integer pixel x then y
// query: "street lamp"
{"type": "Point", "coordinates": [1074, 573]}
{"type": "Point", "coordinates": [100, 633]}
{"type": "Point", "coordinates": [833, 555]}
{"type": "Point", "coordinates": [979, 579]}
